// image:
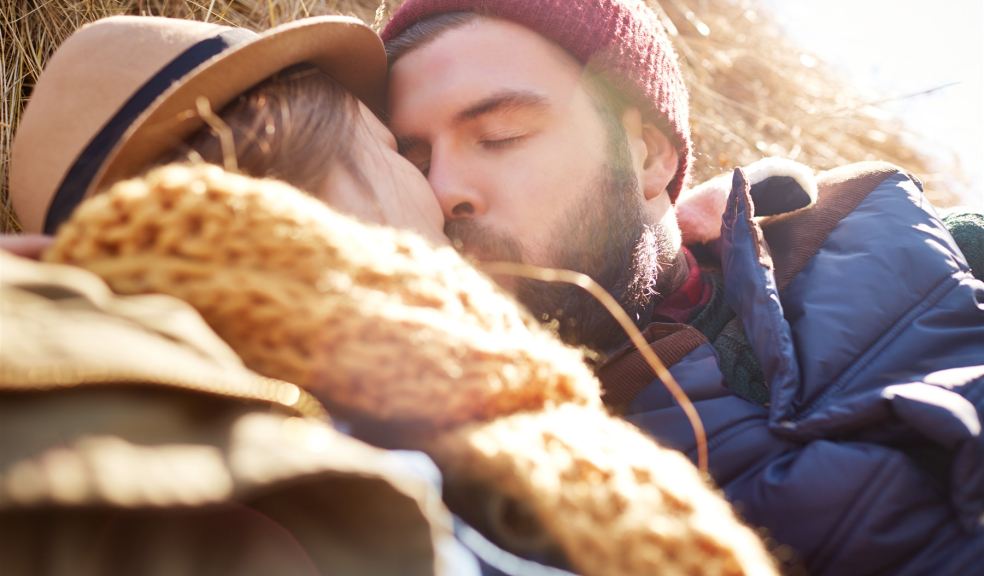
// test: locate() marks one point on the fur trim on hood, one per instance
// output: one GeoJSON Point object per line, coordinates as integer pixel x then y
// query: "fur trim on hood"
{"type": "Point", "coordinates": [778, 185]}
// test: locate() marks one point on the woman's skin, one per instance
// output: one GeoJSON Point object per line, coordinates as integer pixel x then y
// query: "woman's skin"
{"type": "Point", "coordinates": [392, 191]}
{"type": "Point", "coordinates": [25, 245]}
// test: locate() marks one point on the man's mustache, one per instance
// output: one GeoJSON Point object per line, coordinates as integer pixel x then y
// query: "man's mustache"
{"type": "Point", "coordinates": [481, 242]}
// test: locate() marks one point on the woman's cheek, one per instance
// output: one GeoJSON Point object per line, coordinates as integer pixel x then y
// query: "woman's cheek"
{"type": "Point", "coordinates": [428, 215]}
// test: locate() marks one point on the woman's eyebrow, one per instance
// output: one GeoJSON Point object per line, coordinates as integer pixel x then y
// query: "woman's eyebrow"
{"type": "Point", "coordinates": [505, 101]}
{"type": "Point", "coordinates": [407, 143]}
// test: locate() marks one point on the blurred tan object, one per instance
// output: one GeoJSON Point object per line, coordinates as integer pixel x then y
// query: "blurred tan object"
{"type": "Point", "coordinates": [421, 350]}
{"type": "Point", "coordinates": [323, 301]}
{"type": "Point", "coordinates": [613, 499]}
{"type": "Point", "coordinates": [753, 92]}
{"type": "Point", "coordinates": [134, 441]}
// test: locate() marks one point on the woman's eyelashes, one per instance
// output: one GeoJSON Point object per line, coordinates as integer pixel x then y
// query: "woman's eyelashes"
{"type": "Point", "coordinates": [422, 164]}
{"type": "Point", "coordinates": [419, 158]}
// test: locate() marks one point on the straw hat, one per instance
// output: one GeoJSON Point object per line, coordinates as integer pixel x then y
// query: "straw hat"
{"type": "Point", "coordinates": [123, 90]}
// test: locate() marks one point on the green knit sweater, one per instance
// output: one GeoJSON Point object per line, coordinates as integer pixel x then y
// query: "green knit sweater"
{"type": "Point", "coordinates": [722, 327]}
{"type": "Point", "coordinates": [967, 228]}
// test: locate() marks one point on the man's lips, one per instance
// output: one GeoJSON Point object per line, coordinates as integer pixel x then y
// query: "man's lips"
{"type": "Point", "coordinates": [481, 243]}
{"type": "Point", "coordinates": [479, 252]}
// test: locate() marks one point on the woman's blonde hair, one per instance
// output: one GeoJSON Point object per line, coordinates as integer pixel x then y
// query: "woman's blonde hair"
{"type": "Point", "coordinates": [295, 127]}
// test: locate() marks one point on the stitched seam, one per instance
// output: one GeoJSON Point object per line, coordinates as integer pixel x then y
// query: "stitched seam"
{"type": "Point", "coordinates": [857, 508]}
{"type": "Point", "coordinates": [715, 442]}
{"type": "Point", "coordinates": [880, 343]}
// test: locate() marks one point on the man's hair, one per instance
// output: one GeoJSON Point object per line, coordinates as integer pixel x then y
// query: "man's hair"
{"type": "Point", "coordinates": [420, 33]}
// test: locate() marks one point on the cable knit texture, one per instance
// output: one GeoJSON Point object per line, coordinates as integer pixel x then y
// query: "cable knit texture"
{"type": "Point", "coordinates": [379, 323]}
{"type": "Point", "coordinates": [621, 39]}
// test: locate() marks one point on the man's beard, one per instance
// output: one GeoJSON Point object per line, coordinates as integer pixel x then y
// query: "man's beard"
{"type": "Point", "coordinates": [603, 235]}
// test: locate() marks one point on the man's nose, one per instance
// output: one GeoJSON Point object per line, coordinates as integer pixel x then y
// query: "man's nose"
{"type": "Point", "coordinates": [455, 187]}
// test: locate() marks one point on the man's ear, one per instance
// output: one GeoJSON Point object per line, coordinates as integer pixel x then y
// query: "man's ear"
{"type": "Point", "coordinates": [653, 155]}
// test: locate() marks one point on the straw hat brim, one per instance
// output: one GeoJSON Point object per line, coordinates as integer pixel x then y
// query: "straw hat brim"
{"type": "Point", "coordinates": [343, 47]}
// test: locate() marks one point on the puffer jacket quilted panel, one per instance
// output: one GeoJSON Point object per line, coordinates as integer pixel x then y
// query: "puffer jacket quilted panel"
{"type": "Point", "coordinates": [869, 458]}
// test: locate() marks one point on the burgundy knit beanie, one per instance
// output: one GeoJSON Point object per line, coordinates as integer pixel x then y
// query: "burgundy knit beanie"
{"type": "Point", "coordinates": [622, 39]}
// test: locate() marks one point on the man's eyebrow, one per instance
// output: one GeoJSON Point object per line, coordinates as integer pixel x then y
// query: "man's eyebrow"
{"type": "Point", "coordinates": [505, 101]}
{"type": "Point", "coordinates": [501, 102]}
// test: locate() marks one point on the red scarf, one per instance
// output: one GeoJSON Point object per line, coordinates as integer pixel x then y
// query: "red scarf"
{"type": "Point", "coordinates": [686, 301]}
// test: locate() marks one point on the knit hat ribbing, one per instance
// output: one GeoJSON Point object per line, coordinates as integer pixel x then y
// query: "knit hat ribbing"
{"type": "Point", "coordinates": [622, 39]}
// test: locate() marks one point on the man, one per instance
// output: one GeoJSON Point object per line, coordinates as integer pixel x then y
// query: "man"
{"type": "Point", "coordinates": [831, 343]}
{"type": "Point", "coordinates": [516, 100]}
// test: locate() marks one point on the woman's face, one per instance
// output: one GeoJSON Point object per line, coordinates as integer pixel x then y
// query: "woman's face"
{"type": "Point", "coordinates": [387, 189]}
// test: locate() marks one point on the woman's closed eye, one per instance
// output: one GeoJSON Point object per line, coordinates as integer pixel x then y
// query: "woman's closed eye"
{"type": "Point", "coordinates": [419, 158]}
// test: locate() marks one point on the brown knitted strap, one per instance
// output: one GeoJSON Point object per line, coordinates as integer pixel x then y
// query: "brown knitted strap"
{"type": "Point", "coordinates": [626, 373]}
{"type": "Point", "coordinates": [376, 322]}
{"type": "Point", "coordinates": [803, 232]}
{"type": "Point", "coordinates": [594, 489]}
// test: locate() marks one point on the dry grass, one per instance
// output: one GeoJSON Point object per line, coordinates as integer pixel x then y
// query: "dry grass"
{"type": "Point", "coordinates": [754, 93]}
{"type": "Point", "coordinates": [751, 93]}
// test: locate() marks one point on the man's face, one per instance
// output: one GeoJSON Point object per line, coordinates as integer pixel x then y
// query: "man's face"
{"type": "Point", "coordinates": [524, 165]}
{"type": "Point", "coordinates": [499, 121]}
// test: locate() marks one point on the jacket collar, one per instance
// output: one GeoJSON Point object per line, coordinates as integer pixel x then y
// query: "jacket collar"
{"type": "Point", "coordinates": [777, 185]}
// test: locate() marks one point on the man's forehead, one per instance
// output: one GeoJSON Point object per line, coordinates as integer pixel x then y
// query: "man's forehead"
{"type": "Point", "coordinates": [472, 62]}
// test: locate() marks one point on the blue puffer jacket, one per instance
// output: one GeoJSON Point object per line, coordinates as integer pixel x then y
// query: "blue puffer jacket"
{"type": "Point", "coordinates": [869, 327]}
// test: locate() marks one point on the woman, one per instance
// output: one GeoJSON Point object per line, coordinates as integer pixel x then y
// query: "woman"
{"type": "Point", "coordinates": [436, 352]}
{"type": "Point", "coordinates": [299, 100]}
{"type": "Point", "coordinates": [302, 127]}
{"type": "Point", "coordinates": [171, 443]}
